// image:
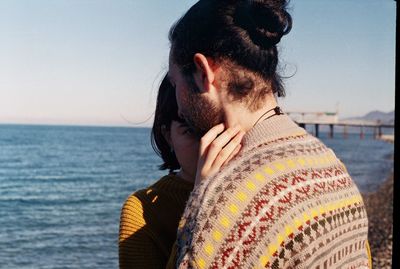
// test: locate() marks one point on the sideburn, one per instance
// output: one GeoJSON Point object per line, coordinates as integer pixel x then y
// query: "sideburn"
{"type": "Point", "coordinates": [200, 114]}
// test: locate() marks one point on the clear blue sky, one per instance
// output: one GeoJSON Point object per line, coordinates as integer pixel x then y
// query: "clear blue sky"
{"type": "Point", "coordinates": [99, 62]}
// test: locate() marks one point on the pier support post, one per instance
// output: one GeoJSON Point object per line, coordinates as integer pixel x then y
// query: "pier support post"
{"type": "Point", "coordinates": [316, 130]}
{"type": "Point", "coordinates": [331, 130]}
{"type": "Point", "coordinates": [380, 131]}
{"type": "Point", "coordinates": [361, 132]}
{"type": "Point", "coordinates": [345, 131]}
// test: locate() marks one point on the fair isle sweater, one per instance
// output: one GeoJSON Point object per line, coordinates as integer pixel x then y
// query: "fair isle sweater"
{"type": "Point", "coordinates": [286, 201]}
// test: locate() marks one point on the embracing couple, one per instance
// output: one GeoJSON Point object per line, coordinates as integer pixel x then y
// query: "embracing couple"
{"type": "Point", "coordinates": [247, 187]}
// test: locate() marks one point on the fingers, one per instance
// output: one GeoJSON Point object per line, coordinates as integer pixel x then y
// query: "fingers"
{"type": "Point", "coordinates": [229, 151]}
{"type": "Point", "coordinates": [209, 137]}
{"type": "Point", "coordinates": [217, 146]}
{"type": "Point", "coordinates": [233, 154]}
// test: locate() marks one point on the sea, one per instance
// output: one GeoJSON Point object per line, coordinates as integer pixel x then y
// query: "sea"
{"type": "Point", "coordinates": [62, 188]}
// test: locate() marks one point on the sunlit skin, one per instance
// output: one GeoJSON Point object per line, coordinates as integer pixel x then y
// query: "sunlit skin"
{"type": "Point", "coordinates": [208, 78]}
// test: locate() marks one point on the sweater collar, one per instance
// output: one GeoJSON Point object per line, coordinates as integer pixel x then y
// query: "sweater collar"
{"type": "Point", "coordinates": [271, 129]}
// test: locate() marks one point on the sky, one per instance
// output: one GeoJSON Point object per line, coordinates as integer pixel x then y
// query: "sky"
{"type": "Point", "coordinates": [98, 62]}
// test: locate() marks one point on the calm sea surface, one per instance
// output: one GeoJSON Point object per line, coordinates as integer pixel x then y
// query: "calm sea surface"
{"type": "Point", "coordinates": [62, 188]}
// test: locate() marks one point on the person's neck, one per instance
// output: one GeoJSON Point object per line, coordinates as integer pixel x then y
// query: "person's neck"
{"type": "Point", "coordinates": [237, 113]}
{"type": "Point", "coordinates": [186, 176]}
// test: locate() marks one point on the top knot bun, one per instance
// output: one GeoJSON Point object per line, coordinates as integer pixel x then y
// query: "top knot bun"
{"type": "Point", "coordinates": [266, 21]}
{"type": "Point", "coordinates": [243, 33]}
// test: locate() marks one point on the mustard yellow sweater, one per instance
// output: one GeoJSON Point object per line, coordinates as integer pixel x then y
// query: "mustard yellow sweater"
{"type": "Point", "coordinates": [149, 221]}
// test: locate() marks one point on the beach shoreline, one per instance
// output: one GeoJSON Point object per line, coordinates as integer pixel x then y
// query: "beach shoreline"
{"type": "Point", "coordinates": [379, 206]}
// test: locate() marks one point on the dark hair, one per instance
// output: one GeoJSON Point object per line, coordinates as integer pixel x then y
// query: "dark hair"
{"type": "Point", "coordinates": [166, 112]}
{"type": "Point", "coordinates": [243, 33]}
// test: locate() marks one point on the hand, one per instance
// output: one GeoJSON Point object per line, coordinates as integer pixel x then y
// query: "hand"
{"type": "Point", "coordinates": [217, 147]}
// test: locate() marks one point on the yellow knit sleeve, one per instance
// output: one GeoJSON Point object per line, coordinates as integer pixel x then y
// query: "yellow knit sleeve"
{"type": "Point", "coordinates": [137, 248]}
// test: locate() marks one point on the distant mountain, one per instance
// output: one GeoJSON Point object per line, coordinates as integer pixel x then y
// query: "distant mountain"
{"type": "Point", "coordinates": [384, 117]}
{"type": "Point", "coordinates": [379, 115]}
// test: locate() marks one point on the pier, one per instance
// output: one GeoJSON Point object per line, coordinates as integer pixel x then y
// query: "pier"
{"type": "Point", "coordinates": [331, 119]}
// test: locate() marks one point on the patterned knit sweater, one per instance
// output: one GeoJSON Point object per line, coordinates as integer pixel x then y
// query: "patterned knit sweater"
{"type": "Point", "coordinates": [286, 201]}
{"type": "Point", "coordinates": [149, 219]}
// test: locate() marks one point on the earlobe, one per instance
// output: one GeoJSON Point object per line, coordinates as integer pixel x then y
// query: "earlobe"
{"type": "Point", "coordinates": [204, 75]}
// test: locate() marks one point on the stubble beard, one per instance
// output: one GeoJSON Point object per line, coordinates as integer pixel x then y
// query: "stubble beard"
{"type": "Point", "coordinates": [200, 114]}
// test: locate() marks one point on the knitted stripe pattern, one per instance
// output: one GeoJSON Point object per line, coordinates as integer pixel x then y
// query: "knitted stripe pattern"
{"type": "Point", "coordinates": [148, 222]}
{"type": "Point", "coordinates": [286, 201]}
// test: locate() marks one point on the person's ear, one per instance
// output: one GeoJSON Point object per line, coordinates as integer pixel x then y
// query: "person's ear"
{"type": "Point", "coordinates": [167, 135]}
{"type": "Point", "coordinates": [204, 75]}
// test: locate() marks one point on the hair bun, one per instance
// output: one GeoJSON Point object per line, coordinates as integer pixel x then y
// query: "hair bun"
{"type": "Point", "coordinates": [266, 21]}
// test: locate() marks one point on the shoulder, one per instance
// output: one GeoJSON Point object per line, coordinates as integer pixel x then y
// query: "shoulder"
{"type": "Point", "coordinates": [172, 182]}
{"type": "Point", "coordinates": [131, 218]}
{"type": "Point", "coordinates": [169, 190]}
{"type": "Point", "coordinates": [141, 199]}
{"type": "Point", "coordinates": [133, 200]}
{"type": "Point", "coordinates": [135, 204]}
{"type": "Point", "coordinates": [132, 209]}
{"type": "Point", "coordinates": [139, 195]}
{"type": "Point", "coordinates": [137, 200]}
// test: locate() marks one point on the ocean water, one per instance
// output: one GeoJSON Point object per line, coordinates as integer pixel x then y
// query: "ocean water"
{"type": "Point", "coordinates": [62, 188]}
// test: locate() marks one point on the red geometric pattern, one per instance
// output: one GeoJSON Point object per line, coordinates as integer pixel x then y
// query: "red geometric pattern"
{"type": "Point", "coordinates": [230, 184]}
{"type": "Point", "coordinates": [275, 211]}
{"type": "Point", "coordinates": [296, 189]}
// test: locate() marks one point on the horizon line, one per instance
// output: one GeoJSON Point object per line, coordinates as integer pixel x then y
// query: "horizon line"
{"type": "Point", "coordinates": [73, 125]}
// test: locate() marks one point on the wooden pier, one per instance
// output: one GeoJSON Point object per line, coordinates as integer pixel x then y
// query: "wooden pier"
{"type": "Point", "coordinates": [331, 119]}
